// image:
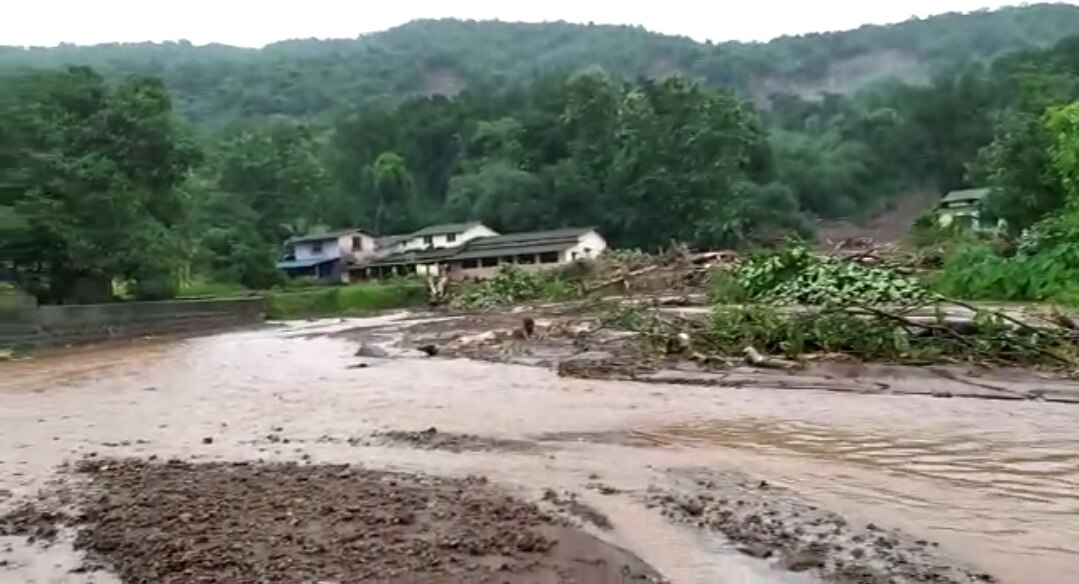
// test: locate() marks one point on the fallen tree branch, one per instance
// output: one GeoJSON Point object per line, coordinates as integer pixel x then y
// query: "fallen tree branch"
{"type": "Point", "coordinates": [620, 278]}
{"type": "Point", "coordinates": [906, 322]}
{"type": "Point", "coordinates": [996, 313]}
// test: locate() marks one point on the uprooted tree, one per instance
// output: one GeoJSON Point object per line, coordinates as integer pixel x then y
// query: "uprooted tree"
{"type": "Point", "coordinates": [795, 303]}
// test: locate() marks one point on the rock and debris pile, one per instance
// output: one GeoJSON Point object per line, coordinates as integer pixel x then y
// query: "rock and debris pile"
{"type": "Point", "coordinates": [569, 503]}
{"type": "Point", "coordinates": [677, 270]}
{"type": "Point", "coordinates": [769, 523]}
{"type": "Point", "coordinates": [179, 522]}
{"type": "Point", "coordinates": [37, 526]}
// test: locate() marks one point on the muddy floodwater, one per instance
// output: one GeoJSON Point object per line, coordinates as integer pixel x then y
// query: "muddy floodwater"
{"type": "Point", "coordinates": [993, 484]}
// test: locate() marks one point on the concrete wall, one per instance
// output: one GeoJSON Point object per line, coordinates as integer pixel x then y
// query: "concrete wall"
{"type": "Point", "coordinates": [86, 323]}
{"type": "Point", "coordinates": [459, 271]}
{"type": "Point", "coordinates": [366, 249]}
{"type": "Point", "coordinates": [588, 246]}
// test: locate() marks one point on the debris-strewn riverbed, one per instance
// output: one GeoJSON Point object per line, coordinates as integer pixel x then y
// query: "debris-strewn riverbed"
{"type": "Point", "coordinates": [240, 522]}
{"type": "Point", "coordinates": [288, 450]}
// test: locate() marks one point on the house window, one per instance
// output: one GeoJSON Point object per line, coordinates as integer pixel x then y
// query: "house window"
{"type": "Point", "coordinates": [470, 264]}
{"type": "Point", "coordinates": [526, 258]}
{"type": "Point", "coordinates": [428, 240]}
{"type": "Point", "coordinates": [550, 257]}
{"type": "Point", "coordinates": [451, 237]}
{"type": "Point", "coordinates": [357, 243]}
{"type": "Point", "coordinates": [316, 247]}
{"type": "Point", "coordinates": [489, 262]}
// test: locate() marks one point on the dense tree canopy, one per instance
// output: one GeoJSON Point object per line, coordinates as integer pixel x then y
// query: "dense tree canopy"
{"type": "Point", "coordinates": [217, 84]}
{"type": "Point", "coordinates": [102, 180]}
{"type": "Point", "coordinates": [94, 184]}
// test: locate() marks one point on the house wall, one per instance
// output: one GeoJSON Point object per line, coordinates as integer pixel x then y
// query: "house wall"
{"type": "Point", "coordinates": [427, 269]}
{"type": "Point", "coordinates": [442, 240]}
{"type": "Point", "coordinates": [365, 250]}
{"type": "Point", "coordinates": [334, 248]}
{"type": "Point", "coordinates": [458, 271]}
{"type": "Point", "coordinates": [305, 250]}
{"type": "Point", "coordinates": [588, 246]}
{"type": "Point", "coordinates": [948, 215]}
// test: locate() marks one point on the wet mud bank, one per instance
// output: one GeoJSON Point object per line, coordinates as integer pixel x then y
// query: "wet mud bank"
{"type": "Point", "coordinates": [432, 439]}
{"type": "Point", "coordinates": [577, 345]}
{"type": "Point", "coordinates": [161, 522]}
{"type": "Point", "coordinates": [773, 524]}
{"type": "Point", "coordinates": [268, 419]}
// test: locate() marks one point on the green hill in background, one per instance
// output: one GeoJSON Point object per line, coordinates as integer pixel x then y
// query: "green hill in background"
{"type": "Point", "coordinates": [310, 78]}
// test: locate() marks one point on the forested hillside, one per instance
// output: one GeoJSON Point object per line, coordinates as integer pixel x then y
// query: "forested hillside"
{"type": "Point", "coordinates": [311, 78]}
{"type": "Point", "coordinates": [102, 178]}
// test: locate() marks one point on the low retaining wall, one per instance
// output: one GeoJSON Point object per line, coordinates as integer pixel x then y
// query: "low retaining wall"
{"type": "Point", "coordinates": [45, 326]}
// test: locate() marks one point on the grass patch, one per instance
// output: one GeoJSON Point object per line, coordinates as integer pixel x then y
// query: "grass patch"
{"type": "Point", "coordinates": [12, 300]}
{"type": "Point", "coordinates": [351, 300]}
{"type": "Point", "coordinates": [979, 273]}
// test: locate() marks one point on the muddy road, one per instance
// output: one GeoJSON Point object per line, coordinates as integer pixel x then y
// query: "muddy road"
{"type": "Point", "coordinates": [915, 487]}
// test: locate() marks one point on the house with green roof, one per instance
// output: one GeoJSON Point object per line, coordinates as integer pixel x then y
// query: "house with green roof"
{"type": "Point", "coordinates": [962, 208]}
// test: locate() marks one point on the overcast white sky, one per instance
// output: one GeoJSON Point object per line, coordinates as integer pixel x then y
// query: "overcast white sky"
{"type": "Point", "coordinates": [255, 23]}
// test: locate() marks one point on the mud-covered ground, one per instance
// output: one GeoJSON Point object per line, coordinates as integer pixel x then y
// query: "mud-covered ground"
{"type": "Point", "coordinates": [576, 344]}
{"type": "Point", "coordinates": [427, 448]}
{"type": "Point", "coordinates": [162, 522]}
{"type": "Point", "coordinates": [774, 524]}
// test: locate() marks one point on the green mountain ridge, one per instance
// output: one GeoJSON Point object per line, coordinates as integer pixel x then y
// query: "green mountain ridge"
{"type": "Point", "coordinates": [314, 78]}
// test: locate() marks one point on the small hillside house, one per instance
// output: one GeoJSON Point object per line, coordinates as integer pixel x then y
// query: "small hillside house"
{"type": "Point", "coordinates": [962, 208]}
{"type": "Point", "coordinates": [327, 256]}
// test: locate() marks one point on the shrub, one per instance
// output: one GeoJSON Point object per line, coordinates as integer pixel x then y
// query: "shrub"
{"type": "Point", "coordinates": [730, 330]}
{"type": "Point", "coordinates": [1046, 267]}
{"type": "Point", "coordinates": [200, 287]}
{"type": "Point", "coordinates": [345, 300]}
{"type": "Point", "coordinates": [512, 285]}
{"type": "Point", "coordinates": [873, 337]}
{"type": "Point", "coordinates": [155, 287]}
{"type": "Point", "coordinates": [798, 276]}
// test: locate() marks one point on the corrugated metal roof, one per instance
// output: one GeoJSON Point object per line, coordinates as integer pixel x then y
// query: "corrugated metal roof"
{"type": "Point", "coordinates": [292, 264]}
{"type": "Point", "coordinates": [530, 242]}
{"type": "Point", "coordinates": [446, 228]}
{"type": "Point", "coordinates": [514, 250]}
{"type": "Point", "coordinates": [412, 257]}
{"type": "Point", "coordinates": [325, 236]}
{"type": "Point", "coordinates": [965, 196]}
{"type": "Point", "coordinates": [391, 240]}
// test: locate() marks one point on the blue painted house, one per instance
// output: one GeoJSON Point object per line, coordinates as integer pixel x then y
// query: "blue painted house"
{"type": "Point", "coordinates": [327, 256]}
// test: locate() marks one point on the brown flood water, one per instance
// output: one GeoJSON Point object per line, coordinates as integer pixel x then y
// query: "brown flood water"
{"type": "Point", "coordinates": [996, 483]}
